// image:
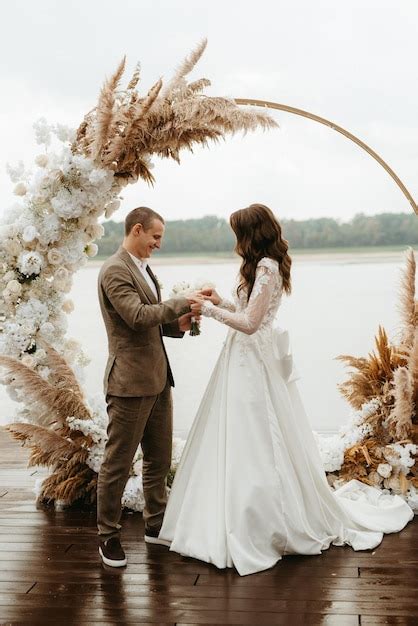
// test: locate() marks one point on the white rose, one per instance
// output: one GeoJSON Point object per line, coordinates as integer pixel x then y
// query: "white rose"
{"type": "Point", "coordinates": [20, 189]}
{"type": "Point", "coordinates": [10, 275]}
{"type": "Point", "coordinates": [62, 280]}
{"type": "Point", "coordinates": [111, 208]}
{"type": "Point", "coordinates": [47, 329]}
{"type": "Point", "coordinates": [40, 354]}
{"type": "Point", "coordinates": [14, 287]}
{"type": "Point", "coordinates": [29, 233]}
{"type": "Point", "coordinates": [12, 247]}
{"type": "Point", "coordinates": [95, 231]}
{"type": "Point", "coordinates": [384, 470]}
{"type": "Point", "coordinates": [91, 250]}
{"type": "Point", "coordinates": [28, 360]}
{"type": "Point", "coordinates": [55, 257]}
{"type": "Point", "coordinates": [41, 160]}
{"type": "Point", "coordinates": [68, 306]}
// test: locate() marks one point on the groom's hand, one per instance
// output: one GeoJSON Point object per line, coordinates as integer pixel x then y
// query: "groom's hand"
{"type": "Point", "coordinates": [185, 321]}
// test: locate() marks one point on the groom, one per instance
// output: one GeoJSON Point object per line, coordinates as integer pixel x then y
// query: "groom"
{"type": "Point", "coordinates": [137, 380]}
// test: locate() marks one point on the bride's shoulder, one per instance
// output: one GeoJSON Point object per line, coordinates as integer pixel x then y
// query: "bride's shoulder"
{"type": "Point", "coordinates": [269, 263]}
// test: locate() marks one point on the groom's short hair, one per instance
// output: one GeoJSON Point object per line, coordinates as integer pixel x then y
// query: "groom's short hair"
{"type": "Point", "coordinates": [142, 215]}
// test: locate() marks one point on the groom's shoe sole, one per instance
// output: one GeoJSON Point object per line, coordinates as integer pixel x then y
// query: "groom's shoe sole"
{"type": "Point", "coordinates": [110, 562]}
{"type": "Point", "coordinates": [157, 541]}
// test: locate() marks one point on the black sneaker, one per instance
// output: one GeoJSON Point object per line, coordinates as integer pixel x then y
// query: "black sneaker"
{"type": "Point", "coordinates": [151, 536]}
{"type": "Point", "coordinates": [112, 552]}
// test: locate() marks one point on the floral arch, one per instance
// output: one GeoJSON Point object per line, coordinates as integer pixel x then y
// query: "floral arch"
{"type": "Point", "coordinates": [50, 234]}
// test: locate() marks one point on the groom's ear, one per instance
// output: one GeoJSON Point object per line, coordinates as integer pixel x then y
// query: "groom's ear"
{"type": "Point", "coordinates": [137, 229]}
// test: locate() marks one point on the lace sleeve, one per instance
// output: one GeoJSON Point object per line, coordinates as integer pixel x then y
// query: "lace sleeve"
{"type": "Point", "coordinates": [248, 321]}
{"type": "Point", "coordinates": [226, 304]}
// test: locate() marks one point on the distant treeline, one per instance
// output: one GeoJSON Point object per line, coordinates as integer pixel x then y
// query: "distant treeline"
{"type": "Point", "coordinates": [213, 234]}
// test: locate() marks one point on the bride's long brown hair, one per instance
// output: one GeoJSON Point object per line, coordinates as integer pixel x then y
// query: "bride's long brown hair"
{"type": "Point", "coordinates": [259, 235]}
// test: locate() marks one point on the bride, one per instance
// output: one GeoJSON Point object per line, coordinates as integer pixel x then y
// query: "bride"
{"type": "Point", "coordinates": [250, 486]}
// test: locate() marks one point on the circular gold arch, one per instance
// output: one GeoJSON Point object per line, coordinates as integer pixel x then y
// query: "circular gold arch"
{"type": "Point", "coordinates": [339, 129]}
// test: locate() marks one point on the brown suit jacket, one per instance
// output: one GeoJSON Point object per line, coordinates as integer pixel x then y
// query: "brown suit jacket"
{"type": "Point", "coordinates": [135, 323]}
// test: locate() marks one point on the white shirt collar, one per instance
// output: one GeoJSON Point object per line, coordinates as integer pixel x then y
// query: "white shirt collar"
{"type": "Point", "coordinates": [141, 263]}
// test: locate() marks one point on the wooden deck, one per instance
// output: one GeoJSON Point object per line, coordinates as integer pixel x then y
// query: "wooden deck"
{"type": "Point", "coordinates": [50, 573]}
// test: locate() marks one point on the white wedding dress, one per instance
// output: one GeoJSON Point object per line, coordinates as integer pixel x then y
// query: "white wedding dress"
{"type": "Point", "coordinates": [251, 486]}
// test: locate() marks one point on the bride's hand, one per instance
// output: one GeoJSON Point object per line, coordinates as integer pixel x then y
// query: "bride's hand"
{"type": "Point", "coordinates": [212, 295]}
{"type": "Point", "coordinates": [195, 301]}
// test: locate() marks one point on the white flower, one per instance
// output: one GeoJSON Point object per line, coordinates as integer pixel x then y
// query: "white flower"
{"type": "Point", "coordinates": [20, 189]}
{"type": "Point", "coordinates": [29, 233]}
{"type": "Point", "coordinates": [68, 306]}
{"type": "Point", "coordinates": [14, 287]}
{"type": "Point", "coordinates": [30, 263]}
{"type": "Point", "coordinates": [384, 470]}
{"type": "Point", "coordinates": [60, 322]}
{"type": "Point", "coordinates": [97, 176]}
{"type": "Point", "coordinates": [111, 208]}
{"type": "Point", "coordinates": [133, 496]}
{"type": "Point", "coordinates": [55, 256]}
{"type": "Point", "coordinates": [42, 131]}
{"type": "Point", "coordinates": [33, 312]}
{"type": "Point", "coordinates": [50, 229]}
{"type": "Point", "coordinates": [95, 231]}
{"type": "Point", "coordinates": [10, 275]}
{"type": "Point", "coordinates": [91, 250]}
{"type": "Point", "coordinates": [17, 172]}
{"type": "Point", "coordinates": [64, 133]}
{"type": "Point", "coordinates": [181, 289]}
{"type": "Point", "coordinates": [40, 354]}
{"type": "Point", "coordinates": [73, 251]}
{"type": "Point", "coordinates": [28, 360]}
{"type": "Point", "coordinates": [62, 279]}
{"type": "Point", "coordinates": [12, 246]}
{"type": "Point", "coordinates": [12, 291]}
{"type": "Point", "coordinates": [69, 204]}
{"type": "Point", "coordinates": [72, 348]}
{"type": "Point", "coordinates": [41, 160]}
{"type": "Point", "coordinates": [47, 329]}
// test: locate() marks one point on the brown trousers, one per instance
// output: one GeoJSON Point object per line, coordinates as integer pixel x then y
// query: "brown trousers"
{"type": "Point", "coordinates": [132, 421]}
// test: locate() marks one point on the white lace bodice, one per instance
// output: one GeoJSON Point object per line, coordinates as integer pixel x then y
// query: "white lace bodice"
{"type": "Point", "coordinates": [260, 311]}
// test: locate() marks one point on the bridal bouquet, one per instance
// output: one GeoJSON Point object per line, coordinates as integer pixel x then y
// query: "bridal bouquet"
{"type": "Point", "coordinates": [186, 289]}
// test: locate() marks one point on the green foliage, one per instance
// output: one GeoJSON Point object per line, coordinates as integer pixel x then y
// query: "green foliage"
{"type": "Point", "coordinates": [212, 234]}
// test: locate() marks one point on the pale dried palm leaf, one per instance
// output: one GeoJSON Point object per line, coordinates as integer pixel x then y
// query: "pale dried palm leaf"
{"type": "Point", "coordinates": [59, 401]}
{"type": "Point", "coordinates": [400, 418]}
{"type": "Point", "coordinates": [105, 107]}
{"type": "Point", "coordinates": [135, 78]}
{"type": "Point", "coordinates": [407, 308]}
{"type": "Point", "coordinates": [55, 448]}
{"type": "Point", "coordinates": [413, 367]}
{"type": "Point", "coordinates": [372, 373]}
{"type": "Point", "coordinates": [185, 68]}
{"type": "Point", "coordinates": [62, 373]}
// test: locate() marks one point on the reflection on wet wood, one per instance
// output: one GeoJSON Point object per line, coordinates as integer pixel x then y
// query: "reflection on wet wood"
{"type": "Point", "coordinates": [50, 573]}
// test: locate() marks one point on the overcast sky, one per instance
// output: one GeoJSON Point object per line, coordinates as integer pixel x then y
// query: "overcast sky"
{"type": "Point", "coordinates": [353, 62]}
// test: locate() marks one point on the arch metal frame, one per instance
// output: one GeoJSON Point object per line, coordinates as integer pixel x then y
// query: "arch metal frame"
{"type": "Point", "coordinates": [339, 129]}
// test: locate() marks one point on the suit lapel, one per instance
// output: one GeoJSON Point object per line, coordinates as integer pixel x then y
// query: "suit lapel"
{"type": "Point", "coordinates": [137, 275]}
{"type": "Point", "coordinates": [155, 281]}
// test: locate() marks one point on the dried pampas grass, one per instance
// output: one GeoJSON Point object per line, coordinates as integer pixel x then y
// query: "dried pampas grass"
{"type": "Point", "coordinates": [125, 129]}
{"type": "Point", "coordinates": [62, 402]}
{"type": "Point", "coordinates": [371, 373]}
{"type": "Point", "coordinates": [48, 447]}
{"type": "Point", "coordinates": [407, 304]}
{"type": "Point", "coordinates": [400, 418]}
